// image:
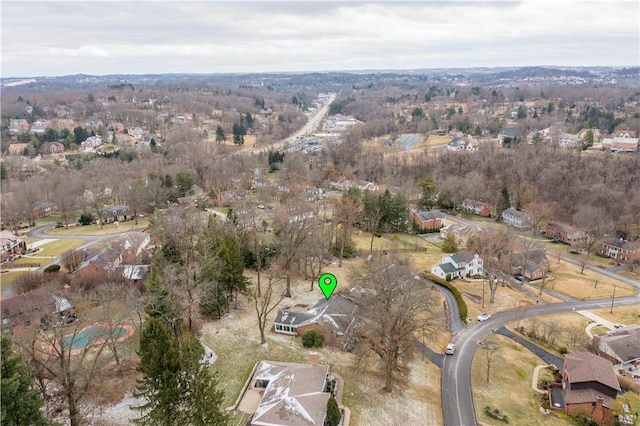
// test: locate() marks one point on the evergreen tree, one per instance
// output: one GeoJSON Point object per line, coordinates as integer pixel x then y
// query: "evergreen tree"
{"type": "Point", "coordinates": [220, 135]}
{"type": "Point", "coordinates": [176, 386]}
{"type": "Point", "coordinates": [20, 402]}
{"type": "Point", "coordinates": [429, 190]}
{"type": "Point", "coordinates": [333, 412]}
{"type": "Point", "coordinates": [506, 199]}
{"type": "Point", "coordinates": [202, 398]}
{"type": "Point", "coordinates": [160, 384]}
{"type": "Point", "coordinates": [449, 245]}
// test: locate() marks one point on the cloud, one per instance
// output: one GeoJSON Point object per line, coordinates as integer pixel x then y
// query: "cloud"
{"type": "Point", "coordinates": [144, 36]}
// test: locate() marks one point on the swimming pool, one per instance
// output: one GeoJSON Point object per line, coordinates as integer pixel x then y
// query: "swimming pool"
{"type": "Point", "coordinates": [91, 335]}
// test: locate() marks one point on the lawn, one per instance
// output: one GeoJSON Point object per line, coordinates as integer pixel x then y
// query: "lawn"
{"type": "Point", "coordinates": [56, 248]}
{"type": "Point", "coordinates": [587, 285]}
{"type": "Point", "coordinates": [509, 389]}
{"type": "Point", "coordinates": [8, 278]}
{"type": "Point", "coordinates": [417, 403]}
{"type": "Point", "coordinates": [107, 229]}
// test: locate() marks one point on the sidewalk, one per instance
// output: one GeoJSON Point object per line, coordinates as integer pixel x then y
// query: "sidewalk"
{"type": "Point", "coordinates": [597, 318]}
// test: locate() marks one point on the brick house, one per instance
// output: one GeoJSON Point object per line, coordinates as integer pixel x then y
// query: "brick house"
{"type": "Point", "coordinates": [115, 213]}
{"type": "Point", "coordinates": [428, 220]}
{"type": "Point", "coordinates": [620, 249]}
{"type": "Point", "coordinates": [517, 219]}
{"type": "Point", "coordinates": [42, 209]}
{"type": "Point", "coordinates": [334, 318]}
{"type": "Point", "coordinates": [51, 148]}
{"type": "Point", "coordinates": [532, 265]}
{"type": "Point", "coordinates": [10, 244]}
{"type": "Point", "coordinates": [476, 207]}
{"type": "Point", "coordinates": [589, 384]}
{"type": "Point", "coordinates": [567, 234]}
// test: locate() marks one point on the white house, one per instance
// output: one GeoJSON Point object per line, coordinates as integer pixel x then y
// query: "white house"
{"type": "Point", "coordinates": [516, 218]}
{"type": "Point", "coordinates": [459, 265]}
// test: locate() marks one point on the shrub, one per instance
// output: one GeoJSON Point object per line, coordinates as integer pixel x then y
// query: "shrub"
{"type": "Point", "coordinates": [462, 305]}
{"type": "Point", "coordinates": [312, 339]}
{"type": "Point", "coordinates": [85, 219]}
{"type": "Point", "coordinates": [52, 268]}
{"type": "Point", "coordinates": [563, 350]}
{"type": "Point", "coordinates": [495, 414]}
{"type": "Point", "coordinates": [333, 412]}
{"type": "Point", "coordinates": [520, 372]}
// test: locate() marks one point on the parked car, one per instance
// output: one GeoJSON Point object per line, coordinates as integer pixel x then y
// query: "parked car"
{"type": "Point", "coordinates": [451, 348]}
{"type": "Point", "coordinates": [484, 317]}
{"type": "Point", "coordinates": [618, 325]}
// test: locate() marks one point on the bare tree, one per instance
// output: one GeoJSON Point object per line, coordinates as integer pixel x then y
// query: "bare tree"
{"type": "Point", "coordinates": [595, 222]}
{"type": "Point", "coordinates": [393, 305]}
{"type": "Point", "coordinates": [489, 351]}
{"type": "Point", "coordinates": [494, 249]}
{"type": "Point", "coordinates": [291, 229]}
{"type": "Point", "coordinates": [63, 355]}
{"type": "Point", "coordinates": [270, 299]}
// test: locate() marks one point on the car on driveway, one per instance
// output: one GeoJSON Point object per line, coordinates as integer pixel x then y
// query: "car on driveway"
{"type": "Point", "coordinates": [484, 317]}
{"type": "Point", "coordinates": [451, 348]}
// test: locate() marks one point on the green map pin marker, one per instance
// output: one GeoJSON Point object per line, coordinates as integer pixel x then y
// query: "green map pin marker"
{"type": "Point", "coordinates": [327, 283]}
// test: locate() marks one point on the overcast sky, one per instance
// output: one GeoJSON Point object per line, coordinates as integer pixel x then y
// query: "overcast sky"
{"type": "Point", "coordinates": [139, 37]}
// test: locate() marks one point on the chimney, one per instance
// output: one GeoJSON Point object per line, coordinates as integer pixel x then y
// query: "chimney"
{"type": "Point", "coordinates": [314, 358]}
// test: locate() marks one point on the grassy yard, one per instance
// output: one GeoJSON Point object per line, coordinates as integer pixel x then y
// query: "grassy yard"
{"type": "Point", "coordinates": [107, 229]}
{"type": "Point", "coordinates": [417, 403]}
{"type": "Point", "coordinates": [587, 285]}
{"type": "Point", "coordinates": [8, 278]}
{"type": "Point", "coordinates": [509, 389]}
{"type": "Point", "coordinates": [58, 247]}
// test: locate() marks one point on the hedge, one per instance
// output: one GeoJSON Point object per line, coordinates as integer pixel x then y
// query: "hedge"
{"type": "Point", "coordinates": [462, 305]}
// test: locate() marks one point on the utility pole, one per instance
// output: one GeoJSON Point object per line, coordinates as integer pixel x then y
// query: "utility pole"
{"type": "Point", "coordinates": [613, 298]}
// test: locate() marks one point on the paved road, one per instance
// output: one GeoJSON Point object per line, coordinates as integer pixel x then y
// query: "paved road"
{"type": "Point", "coordinates": [311, 126]}
{"type": "Point", "coordinates": [457, 400]}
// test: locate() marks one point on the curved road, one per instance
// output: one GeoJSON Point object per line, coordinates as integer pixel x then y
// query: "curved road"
{"type": "Point", "coordinates": [457, 400]}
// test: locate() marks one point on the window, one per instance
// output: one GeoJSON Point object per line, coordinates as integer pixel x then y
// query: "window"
{"type": "Point", "coordinates": [261, 384]}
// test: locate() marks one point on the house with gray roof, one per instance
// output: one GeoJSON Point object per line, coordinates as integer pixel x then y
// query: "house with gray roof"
{"type": "Point", "coordinates": [334, 318]}
{"type": "Point", "coordinates": [287, 394]}
{"type": "Point", "coordinates": [459, 265]}
{"type": "Point", "coordinates": [427, 220]}
{"type": "Point", "coordinates": [516, 218]}
{"type": "Point", "coordinates": [620, 346]}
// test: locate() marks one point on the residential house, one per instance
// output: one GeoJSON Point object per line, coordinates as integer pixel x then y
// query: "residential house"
{"type": "Point", "coordinates": [567, 140]}
{"type": "Point", "coordinates": [626, 143]}
{"type": "Point", "coordinates": [18, 148]}
{"type": "Point", "coordinates": [135, 132]}
{"type": "Point", "coordinates": [289, 394]}
{"type": "Point", "coordinates": [116, 127]}
{"type": "Point", "coordinates": [458, 265]}
{"type": "Point", "coordinates": [365, 185]}
{"type": "Point", "coordinates": [508, 132]}
{"type": "Point", "coordinates": [620, 346]}
{"type": "Point", "coordinates": [135, 274]}
{"type": "Point", "coordinates": [567, 234]}
{"type": "Point", "coordinates": [517, 219]}
{"type": "Point", "coordinates": [10, 244]}
{"type": "Point", "coordinates": [18, 125]}
{"type": "Point", "coordinates": [341, 184]}
{"type": "Point", "coordinates": [38, 127]}
{"type": "Point", "coordinates": [42, 209]}
{"type": "Point", "coordinates": [589, 384]}
{"type": "Point", "coordinates": [461, 234]}
{"type": "Point", "coordinates": [532, 264]}
{"type": "Point", "coordinates": [427, 220]}
{"type": "Point", "coordinates": [460, 144]}
{"type": "Point", "coordinates": [92, 122]}
{"type": "Point", "coordinates": [479, 208]}
{"type": "Point", "coordinates": [226, 197]}
{"type": "Point", "coordinates": [46, 305]}
{"type": "Point", "coordinates": [115, 213]}
{"type": "Point", "coordinates": [91, 143]}
{"type": "Point", "coordinates": [48, 148]}
{"type": "Point", "coordinates": [334, 318]}
{"type": "Point", "coordinates": [99, 266]}
{"type": "Point", "coordinates": [620, 249]}
{"type": "Point", "coordinates": [131, 245]}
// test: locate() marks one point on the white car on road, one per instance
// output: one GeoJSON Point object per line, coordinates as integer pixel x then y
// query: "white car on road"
{"type": "Point", "coordinates": [484, 317]}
